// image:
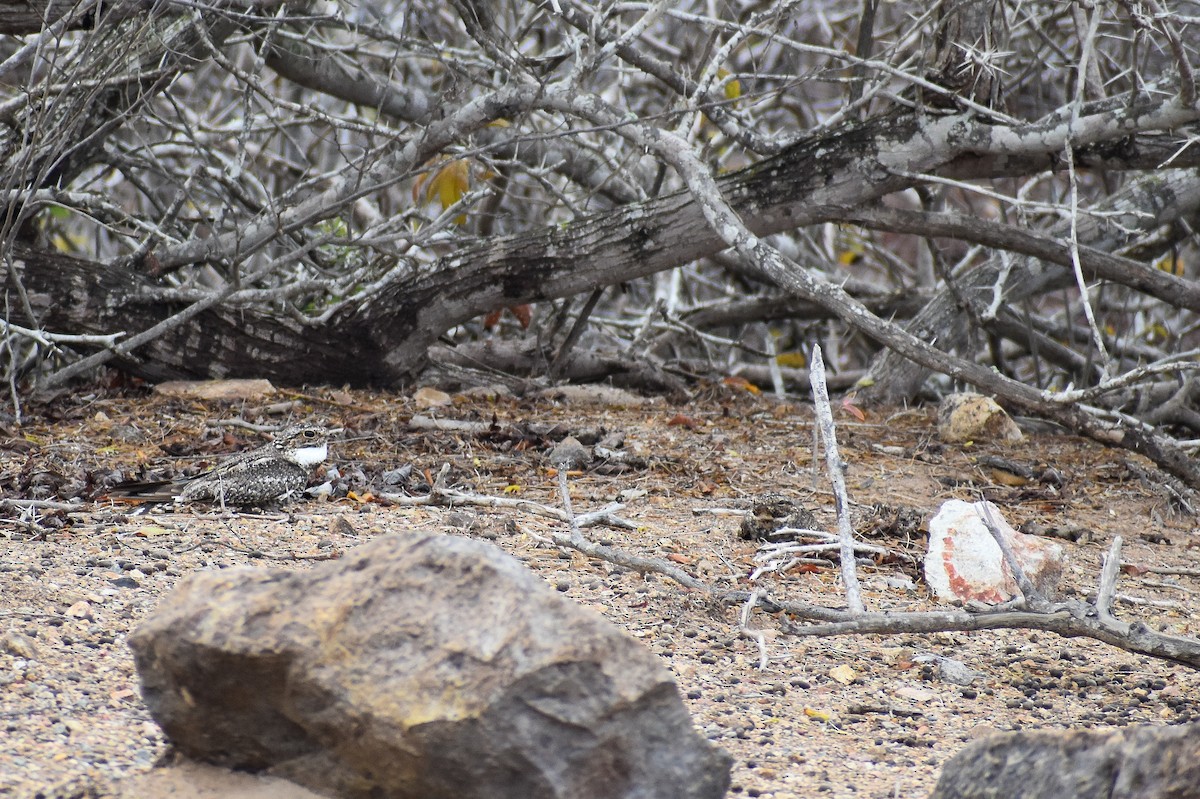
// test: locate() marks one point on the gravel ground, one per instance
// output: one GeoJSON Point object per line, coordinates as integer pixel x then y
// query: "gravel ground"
{"type": "Point", "coordinates": [845, 717]}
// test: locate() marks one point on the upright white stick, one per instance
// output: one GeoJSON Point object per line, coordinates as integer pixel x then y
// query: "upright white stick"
{"type": "Point", "coordinates": [833, 462]}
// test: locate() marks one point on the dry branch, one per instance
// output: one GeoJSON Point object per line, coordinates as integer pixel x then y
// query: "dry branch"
{"type": "Point", "coordinates": [837, 478]}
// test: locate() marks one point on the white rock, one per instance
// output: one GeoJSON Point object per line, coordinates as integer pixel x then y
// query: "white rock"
{"type": "Point", "coordinates": [965, 563]}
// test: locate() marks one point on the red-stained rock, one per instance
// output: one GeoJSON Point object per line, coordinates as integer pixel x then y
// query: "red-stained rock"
{"type": "Point", "coordinates": [965, 563]}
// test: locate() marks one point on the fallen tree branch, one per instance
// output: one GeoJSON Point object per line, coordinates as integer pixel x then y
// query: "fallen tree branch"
{"type": "Point", "coordinates": [754, 635]}
{"type": "Point", "coordinates": [445, 497]}
{"type": "Point", "coordinates": [1070, 620]}
{"type": "Point", "coordinates": [1079, 619]}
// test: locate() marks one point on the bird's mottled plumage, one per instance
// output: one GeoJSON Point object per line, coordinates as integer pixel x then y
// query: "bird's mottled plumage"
{"type": "Point", "coordinates": [273, 473]}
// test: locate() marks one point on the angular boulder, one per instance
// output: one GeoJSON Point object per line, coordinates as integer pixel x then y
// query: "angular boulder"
{"type": "Point", "coordinates": [964, 562]}
{"type": "Point", "coordinates": [974, 417]}
{"type": "Point", "coordinates": [1134, 763]}
{"type": "Point", "coordinates": [418, 666]}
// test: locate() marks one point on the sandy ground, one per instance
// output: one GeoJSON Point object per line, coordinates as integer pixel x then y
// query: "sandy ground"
{"type": "Point", "coordinates": [846, 717]}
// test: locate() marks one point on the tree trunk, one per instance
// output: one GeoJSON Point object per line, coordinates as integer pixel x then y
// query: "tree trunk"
{"type": "Point", "coordinates": [384, 340]}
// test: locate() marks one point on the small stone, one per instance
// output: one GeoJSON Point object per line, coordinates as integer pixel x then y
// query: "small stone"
{"type": "Point", "coordinates": [81, 610]}
{"type": "Point", "coordinates": [396, 477]}
{"type": "Point", "coordinates": [341, 526]}
{"type": "Point", "coordinates": [425, 398]}
{"type": "Point", "coordinates": [18, 644]}
{"type": "Point", "coordinates": [974, 417]}
{"type": "Point", "coordinates": [569, 454]}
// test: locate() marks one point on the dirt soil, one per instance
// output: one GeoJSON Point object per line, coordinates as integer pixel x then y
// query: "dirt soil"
{"type": "Point", "coordinates": [849, 716]}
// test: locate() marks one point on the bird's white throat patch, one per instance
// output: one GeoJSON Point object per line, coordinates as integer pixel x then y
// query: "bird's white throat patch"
{"type": "Point", "coordinates": [310, 456]}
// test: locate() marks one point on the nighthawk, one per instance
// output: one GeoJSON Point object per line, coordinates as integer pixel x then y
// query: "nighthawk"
{"type": "Point", "coordinates": [269, 475]}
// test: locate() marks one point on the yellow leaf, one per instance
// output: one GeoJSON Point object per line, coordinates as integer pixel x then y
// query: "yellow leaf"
{"type": "Point", "coordinates": [1156, 333]}
{"type": "Point", "coordinates": [817, 715]}
{"type": "Point", "coordinates": [1171, 264]}
{"type": "Point", "coordinates": [843, 674]}
{"type": "Point", "coordinates": [850, 257]}
{"type": "Point", "coordinates": [512, 489]}
{"type": "Point", "coordinates": [736, 381]}
{"type": "Point", "coordinates": [795, 360]}
{"type": "Point", "coordinates": [450, 183]}
{"type": "Point", "coordinates": [851, 246]}
{"type": "Point", "coordinates": [733, 88]}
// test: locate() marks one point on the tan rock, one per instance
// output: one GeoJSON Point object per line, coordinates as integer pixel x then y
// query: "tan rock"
{"type": "Point", "coordinates": [974, 417]}
{"type": "Point", "coordinates": [425, 398]}
{"type": "Point", "coordinates": [189, 780]}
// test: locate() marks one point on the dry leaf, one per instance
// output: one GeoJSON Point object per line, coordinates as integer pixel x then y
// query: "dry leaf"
{"type": "Point", "coordinates": [524, 314]}
{"type": "Point", "coordinates": [680, 420]}
{"type": "Point", "coordinates": [737, 381]}
{"type": "Point", "coordinates": [849, 407]}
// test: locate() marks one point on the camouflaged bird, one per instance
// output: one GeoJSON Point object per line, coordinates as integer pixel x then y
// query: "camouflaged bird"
{"type": "Point", "coordinates": [269, 475]}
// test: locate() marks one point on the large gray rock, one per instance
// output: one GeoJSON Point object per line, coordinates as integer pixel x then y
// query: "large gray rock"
{"type": "Point", "coordinates": [418, 666]}
{"type": "Point", "coordinates": [1135, 763]}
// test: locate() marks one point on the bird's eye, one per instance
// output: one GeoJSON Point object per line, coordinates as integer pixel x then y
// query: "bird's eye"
{"type": "Point", "coordinates": [310, 433]}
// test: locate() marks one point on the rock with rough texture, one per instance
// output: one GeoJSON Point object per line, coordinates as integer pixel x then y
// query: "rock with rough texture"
{"type": "Point", "coordinates": [974, 417]}
{"type": "Point", "coordinates": [418, 666]}
{"type": "Point", "coordinates": [1135, 763]}
{"type": "Point", "coordinates": [965, 563]}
